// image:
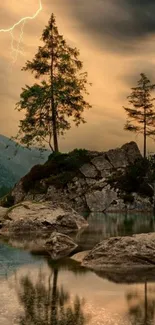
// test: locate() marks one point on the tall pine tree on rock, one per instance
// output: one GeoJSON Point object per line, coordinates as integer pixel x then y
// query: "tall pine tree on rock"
{"type": "Point", "coordinates": [59, 97]}
{"type": "Point", "coordinates": [141, 114]}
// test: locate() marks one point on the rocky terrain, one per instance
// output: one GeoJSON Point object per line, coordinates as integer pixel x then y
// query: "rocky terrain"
{"type": "Point", "coordinates": [85, 180]}
{"type": "Point", "coordinates": [44, 205]}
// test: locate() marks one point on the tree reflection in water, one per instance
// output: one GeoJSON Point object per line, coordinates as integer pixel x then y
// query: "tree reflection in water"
{"type": "Point", "coordinates": [49, 305]}
{"type": "Point", "coordinates": [142, 310]}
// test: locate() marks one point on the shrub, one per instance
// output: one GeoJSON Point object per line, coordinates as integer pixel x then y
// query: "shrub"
{"type": "Point", "coordinates": [59, 169]}
{"type": "Point", "coordinates": [7, 201]}
{"type": "Point", "coordinates": [134, 176]}
{"type": "Point", "coordinates": [128, 198]}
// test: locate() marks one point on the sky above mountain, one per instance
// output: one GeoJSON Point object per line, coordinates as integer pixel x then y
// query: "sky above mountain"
{"type": "Point", "coordinates": [116, 39]}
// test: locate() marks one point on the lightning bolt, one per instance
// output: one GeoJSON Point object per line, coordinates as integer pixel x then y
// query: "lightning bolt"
{"type": "Point", "coordinates": [16, 49]}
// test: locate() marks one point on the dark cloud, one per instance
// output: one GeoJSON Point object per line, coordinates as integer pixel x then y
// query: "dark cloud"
{"type": "Point", "coordinates": [132, 74]}
{"type": "Point", "coordinates": [120, 24]}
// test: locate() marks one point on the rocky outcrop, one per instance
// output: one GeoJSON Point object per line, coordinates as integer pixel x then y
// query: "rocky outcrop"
{"type": "Point", "coordinates": [132, 152]}
{"type": "Point", "coordinates": [101, 200]}
{"type": "Point", "coordinates": [60, 246]}
{"type": "Point", "coordinates": [41, 217]}
{"type": "Point", "coordinates": [137, 251]}
{"type": "Point", "coordinates": [89, 188]}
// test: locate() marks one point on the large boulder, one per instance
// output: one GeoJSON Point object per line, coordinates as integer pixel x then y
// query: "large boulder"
{"type": "Point", "coordinates": [60, 246]}
{"type": "Point", "coordinates": [88, 170]}
{"type": "Point", "coordinates": [100, 200]}
{"type": "Point", "coordinates": [132, 151]}
{"type": "Point", "coordinates": [123, 253]}
{"type": "Point", "coordinates": [43, 216]}
{"type": "Point", "coordinates": [101, 162]}
{"type": "Point", "coordinates": [117, 158]}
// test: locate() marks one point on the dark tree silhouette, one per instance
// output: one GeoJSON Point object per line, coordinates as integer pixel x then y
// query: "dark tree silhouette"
{"type": "Point", "coordinates": [141, 114]}
{"type": "Point", "coordinates": [142, 312]}
{"type": "Point", "coordinates": [50, 105]}
{"type": "Point", "coordinates": [49, 305]}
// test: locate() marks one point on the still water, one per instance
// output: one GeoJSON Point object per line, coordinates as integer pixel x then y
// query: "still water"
{"type": "Point", "coordinates": [36, 291]}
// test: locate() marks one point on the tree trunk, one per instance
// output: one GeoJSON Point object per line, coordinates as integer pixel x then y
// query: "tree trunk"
{"type": "Point", "coordinates": [144, 132]}
{"type": "Point", "coordinates": [54, 306]}
{"type": "Point", "coordinates": [146, 305]}
{"type": "Point", "coordinates": [54, 118]}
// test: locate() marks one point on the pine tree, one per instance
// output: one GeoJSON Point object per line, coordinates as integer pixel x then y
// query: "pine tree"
{"type": "Point", "coordinates": [59, 97]}
{"type": "Point", "coordinates": [141, 116]}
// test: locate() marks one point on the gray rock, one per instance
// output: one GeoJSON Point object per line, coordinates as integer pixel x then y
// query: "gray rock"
{"type": "Point", "coordinates": [140, 203]}
{"type": "Point", "coordinates": [132, 151]}
{"type": "Point", "coordinates": [90, 181]}
{"type": "Point", "coordinates": [32, 216]}
{"type": "Point", "coordinates": [117, 158]}
{"type": "Point", "coordinates": [60, 245]}
{"type": "Point", "coordinates": [100, 200]}
{"type": "Point", "coordinates": [18, 192]}
{"type": "Point", "coordinates": [88, 170]}
{"type": "Point", "coordinates": [123, 252]}
{"type": "Point", "coordinates": [101, 162]}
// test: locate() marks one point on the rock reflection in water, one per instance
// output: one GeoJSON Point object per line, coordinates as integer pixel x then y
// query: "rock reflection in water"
{"type": "Point", "coordinates": [102, 226]}
{"type": "Point", "coordinates": [51, 305]}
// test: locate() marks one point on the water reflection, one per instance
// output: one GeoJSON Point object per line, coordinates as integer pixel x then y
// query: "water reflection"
{"type": "Point", "coordinates": [103, 226]}
{"type": "Point", "coordinates": [141, 305]}
{"type": "Point", "coordinates": [49, 305]}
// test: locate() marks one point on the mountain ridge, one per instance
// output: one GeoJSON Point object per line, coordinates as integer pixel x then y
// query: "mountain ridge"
{"type": "Point", "coordinates": [16, 160]}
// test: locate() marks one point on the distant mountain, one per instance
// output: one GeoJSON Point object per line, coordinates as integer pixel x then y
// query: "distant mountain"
{"type": "Point", "coordinates": [16, 161]}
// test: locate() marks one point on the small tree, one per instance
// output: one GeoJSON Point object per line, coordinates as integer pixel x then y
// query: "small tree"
{"type": "Point", "coordinates": [142, 114]}
{"type": "Point", "coordinates": [59, 96]}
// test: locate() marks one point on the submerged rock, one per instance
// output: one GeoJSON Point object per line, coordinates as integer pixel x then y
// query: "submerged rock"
{"type": "Point", "coordinates": [43, 216]}
{"type": "Point", "coordinates": [78, 257]}
{"type": "Point", "coordinates": [122, 253]}
{"type": "Point", "coordinates": [60, 245]}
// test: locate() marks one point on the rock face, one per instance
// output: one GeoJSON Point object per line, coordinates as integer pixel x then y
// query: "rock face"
{"type": "Point", "coordinates": [89, 188]}
{"type": "Point", "coordinates": [122, 253]}
{"type": "Point", "coordinates": [60, 245]}
{"type": "Point", "coordinates": [45, 216]}
{"type": "Point", "coordinates": [132, 152]}
{"type": "Point", "coordinates": [101, 200]}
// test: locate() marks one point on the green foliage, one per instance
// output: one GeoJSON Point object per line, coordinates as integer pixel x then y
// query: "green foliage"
{"type": "Point", "coordinates": [58, 170]}
{"type": "Point", "coordinates": [60, 95]}
{"type": "Point", "coordinates": [137, 177]}
{"type": "Point", "coordinates": [7, 201]}
{"type": "Point", "coordinates": [141, 114]}
{"type": "Point", "coordinates": [61, 179]}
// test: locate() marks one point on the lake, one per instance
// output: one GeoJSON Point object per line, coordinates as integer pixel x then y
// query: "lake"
{"type": "Point", "coordinates": [34, 290]}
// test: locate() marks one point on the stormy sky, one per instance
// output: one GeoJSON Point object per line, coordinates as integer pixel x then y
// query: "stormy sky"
{"type": "Point", "coordinates": [116, 39]}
